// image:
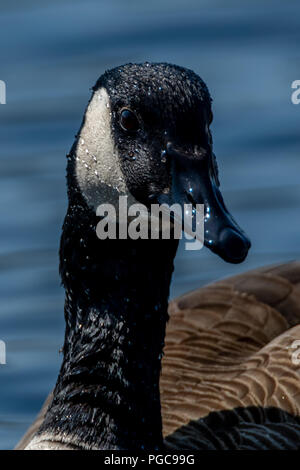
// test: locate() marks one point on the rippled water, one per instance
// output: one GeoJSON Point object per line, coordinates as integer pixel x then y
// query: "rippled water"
{"type": "Point", "coordinates": [51, 54]}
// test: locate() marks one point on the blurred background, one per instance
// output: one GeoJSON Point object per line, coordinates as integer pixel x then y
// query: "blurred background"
{"type": "Point", "coordinates": [51, 54]}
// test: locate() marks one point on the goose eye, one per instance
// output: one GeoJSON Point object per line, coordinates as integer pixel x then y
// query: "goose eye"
{"type": "Point", "coordinates": [129, 121]}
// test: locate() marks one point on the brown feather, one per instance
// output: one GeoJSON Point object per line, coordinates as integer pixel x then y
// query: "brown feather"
{"type": "Point", "coordinates": [229, 344]}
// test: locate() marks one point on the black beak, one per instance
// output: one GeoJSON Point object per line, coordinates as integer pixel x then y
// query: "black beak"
{"type": "Point", "coordinates": [194, 182]}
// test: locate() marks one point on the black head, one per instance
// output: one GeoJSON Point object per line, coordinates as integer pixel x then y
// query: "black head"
{"type": "Point", "coordinates": [153, 104]}
{"type": "Point", "coordinates": [160, 116]}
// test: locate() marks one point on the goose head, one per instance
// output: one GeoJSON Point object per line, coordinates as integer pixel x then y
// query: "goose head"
{"type": "Point", "coordinates": [146, 135]}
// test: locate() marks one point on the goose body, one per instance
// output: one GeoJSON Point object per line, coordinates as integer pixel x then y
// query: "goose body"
{"type": "Point", "coordinates": [228, 379]}
{"type": "Point", "coordinates": [230, 375]}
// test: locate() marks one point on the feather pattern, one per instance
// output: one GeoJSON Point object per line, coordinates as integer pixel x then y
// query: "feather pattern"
{"type": "Point", "coordinates": [229, 346]}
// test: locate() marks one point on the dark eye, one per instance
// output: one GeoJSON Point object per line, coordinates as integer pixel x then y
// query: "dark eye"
{"type": "Point", "coordinates": [129, 121]}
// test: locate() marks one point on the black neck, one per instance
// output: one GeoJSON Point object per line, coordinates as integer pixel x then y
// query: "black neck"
{"type": "Point", "coordinates": [107, 393]}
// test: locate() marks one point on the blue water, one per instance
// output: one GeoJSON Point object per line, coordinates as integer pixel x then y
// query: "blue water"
{"type": "Point", "coordinates": [51, 54]}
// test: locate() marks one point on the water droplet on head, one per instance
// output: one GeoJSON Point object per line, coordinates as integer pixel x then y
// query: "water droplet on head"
{"type": "Point", "coordinates": [163, 156]}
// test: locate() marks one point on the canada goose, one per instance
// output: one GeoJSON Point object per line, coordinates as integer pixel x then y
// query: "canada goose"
{"type": "Point", "coordinates": [227, 374]}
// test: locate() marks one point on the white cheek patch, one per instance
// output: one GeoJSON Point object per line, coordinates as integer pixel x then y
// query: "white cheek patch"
{"type": "Point", "coordinates": [98, 171]}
